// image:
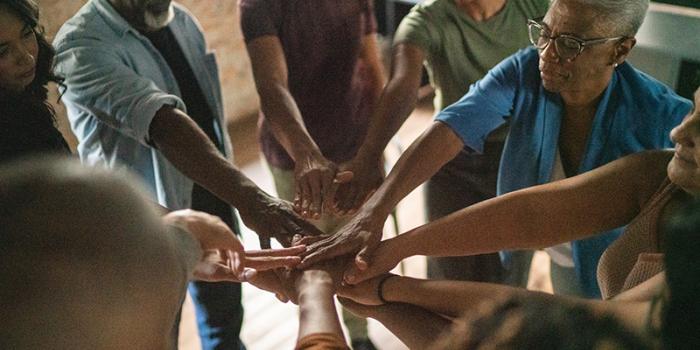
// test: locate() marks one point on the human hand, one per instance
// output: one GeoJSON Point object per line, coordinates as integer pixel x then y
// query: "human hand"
{"type": "Point", "coordinates": [382, 260]}
{"type": "Point", "coordinates": [316, 181]}
{"type": "Point", "coordinates": [223, 255]}
{"type": "Point", "coordinates": [209, 230]}
{"type": "Point", "coordinates": [274, 217]}
{"type": "Point", "coordinates": [367, 292]}
{"type": "Point", "coordinates": [367, 175]}
{"type": "Point", "coordinates": [280, 282]}
{"type": "Point", "coordinates": [361, 234]}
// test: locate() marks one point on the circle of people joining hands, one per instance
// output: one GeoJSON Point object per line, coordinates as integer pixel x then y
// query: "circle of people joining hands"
{"type": "Point", "coordinates": [545, 137]}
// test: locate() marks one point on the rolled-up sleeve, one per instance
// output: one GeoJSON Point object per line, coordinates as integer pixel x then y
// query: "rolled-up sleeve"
{"type": "Point", "coordinates": [98, 82]}
{"type": "Point", "coordinates": [486, 106]}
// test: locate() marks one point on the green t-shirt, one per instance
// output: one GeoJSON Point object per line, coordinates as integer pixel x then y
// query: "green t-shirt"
{"type": "Point", "coordinates": [459, 51]}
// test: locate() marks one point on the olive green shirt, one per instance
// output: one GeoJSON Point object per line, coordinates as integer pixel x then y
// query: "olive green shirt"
{"type": "Point", "coordinates": [459, 51]}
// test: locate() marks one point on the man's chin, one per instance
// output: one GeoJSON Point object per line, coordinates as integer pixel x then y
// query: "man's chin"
{"type": "Point", "coordinates": [158, 21]}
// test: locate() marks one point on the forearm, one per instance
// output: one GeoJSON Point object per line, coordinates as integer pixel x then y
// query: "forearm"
{"type": "Point", "coordinates": [434, 148]}
{"type": "Point", "coordinates": [531, 218]}
{"type": "Point", "coordinates": [189, 149]}
{"type": "Point", "coordinates": [393, 108]}
{"type": "Point", "coordinates": [448, 298]}
{"type": "Point", "coordinates": [413, 325]}
{"type": "Point", "coordinates": [317, 313]}
{"type": "Point", "coordinates": [395, 102]}
{"type": "Point", "coordinates": [286, 123]}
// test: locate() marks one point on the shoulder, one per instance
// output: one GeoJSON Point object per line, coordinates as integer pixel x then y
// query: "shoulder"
{"type": "Point", "coordinates": [86, 24]}
{"type": "Point", "coordinates": [187, 19]}
{"type": "Point", "coordinates": [256, 8]}
{"type": "Point", "coordinates": [643, 171]}
{"type": "Point", "coordinates": [431, 10]}
{"type": "Point", "coordinates": [531, 8]}
{"type": "Point", "coordinates": [524, 63]}
{"type": "Point", "coordinates": [649, 94]}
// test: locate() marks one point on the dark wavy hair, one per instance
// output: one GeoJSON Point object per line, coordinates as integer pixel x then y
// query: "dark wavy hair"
{"type": "Point", "coordinates": [29, 109]}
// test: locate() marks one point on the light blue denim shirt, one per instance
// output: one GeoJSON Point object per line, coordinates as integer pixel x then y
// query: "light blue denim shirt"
{"type": "Point", "coordinates": [635, 113]}
{"type": "Point", "coordinates": [116, 81]}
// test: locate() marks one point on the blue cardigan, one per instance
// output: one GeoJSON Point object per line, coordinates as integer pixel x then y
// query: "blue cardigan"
{"type": "Point", "coordinates": [636, 113]}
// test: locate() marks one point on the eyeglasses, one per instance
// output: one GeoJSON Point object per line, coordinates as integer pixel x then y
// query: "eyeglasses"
{"type": "Point", "coordinates": [568, 47]}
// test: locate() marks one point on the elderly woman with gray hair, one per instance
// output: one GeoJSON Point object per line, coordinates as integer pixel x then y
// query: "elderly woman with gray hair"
{"type": "Point", "coordinates": [574, 104]}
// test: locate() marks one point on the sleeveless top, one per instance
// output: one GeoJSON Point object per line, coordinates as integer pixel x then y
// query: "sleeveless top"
{"type": "Point", "coordinates": [636, 256]}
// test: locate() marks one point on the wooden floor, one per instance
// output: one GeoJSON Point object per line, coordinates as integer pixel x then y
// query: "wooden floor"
{"type": "Point", "coordinates": [271, 325]}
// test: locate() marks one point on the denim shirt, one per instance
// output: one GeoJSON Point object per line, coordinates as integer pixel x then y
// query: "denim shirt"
{"type": "Point", "coordinates": [116, 81]}
{"type": "Point", "coordinates": [635, 113]}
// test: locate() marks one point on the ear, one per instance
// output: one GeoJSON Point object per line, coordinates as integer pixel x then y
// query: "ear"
{"type": "Point", "coordinates": [622, 50]}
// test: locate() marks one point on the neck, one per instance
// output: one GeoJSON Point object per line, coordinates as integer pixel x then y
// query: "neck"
{"type": "Point", "coordinates": [587, 97]}
{"type": "Point", "coordinates": [128, 14]}
{"type": "Point", "coordinates": [480, 10]}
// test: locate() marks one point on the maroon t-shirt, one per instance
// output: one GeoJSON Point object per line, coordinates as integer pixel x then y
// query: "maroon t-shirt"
{"type": "Point", "coordinates": [321, 40]}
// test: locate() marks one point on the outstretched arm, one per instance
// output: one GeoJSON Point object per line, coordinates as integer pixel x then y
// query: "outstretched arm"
{"type": "Point", "coordinates": [314, 174]}
{"type": "Point", "coordinates": [408, 299]}
{"type": "Point", "coordinates": [535, 217]}
{"type": "Point", "coordinates": [214, 252]}
{"type": "Point", "coordinates": [435, 147]}
{"type": "Point", "coordinates": [317, 313]}
{"type": "Point", "coordinates": [186, 146]}
{"type": "Point", "coordinates": [394, 104]}
{"type": "Point", "coordinates": [416, 327]}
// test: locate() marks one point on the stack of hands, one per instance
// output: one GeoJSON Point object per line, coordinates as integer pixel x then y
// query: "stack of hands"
{"type": "Point", "coordinates": [276, 270]}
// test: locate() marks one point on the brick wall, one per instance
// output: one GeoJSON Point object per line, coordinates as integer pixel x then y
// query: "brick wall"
{"type": "Point", "coordinates": [220, 21]}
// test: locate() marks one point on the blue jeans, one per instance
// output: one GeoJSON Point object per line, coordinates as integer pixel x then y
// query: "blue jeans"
{"type": "Point", "coordinates": [217, 305]}
{"type": "Point", "coordinates": [219, 314]}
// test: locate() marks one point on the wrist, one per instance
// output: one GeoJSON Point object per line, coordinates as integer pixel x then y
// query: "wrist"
{"type": "Point", "coordinates": [382, 288]}
{"type": "Point", "coordinates": [313, 279]}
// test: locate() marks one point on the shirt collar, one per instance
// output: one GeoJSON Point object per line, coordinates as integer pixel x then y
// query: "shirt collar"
{"type": "Point", "coordinates": [112, 17]}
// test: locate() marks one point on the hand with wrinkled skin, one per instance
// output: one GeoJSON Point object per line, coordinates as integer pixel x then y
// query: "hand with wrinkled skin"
{"type": "Point", "coordinates": [367, 176]}
{"type": "Point", "coordinates": [360, 235]}
{"type": "Point", "coordinates": [313, 182]}
{"type": "Point", "coordinates": [274, 217]}
{"type": "Point", "coordinates": [316, 180]}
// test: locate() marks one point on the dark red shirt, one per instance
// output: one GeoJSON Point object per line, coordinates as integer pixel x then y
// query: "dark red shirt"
{"type": "Point", "coordinates": [321, 40]}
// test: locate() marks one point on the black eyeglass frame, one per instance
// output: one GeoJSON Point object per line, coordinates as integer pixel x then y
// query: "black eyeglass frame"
{"type": "Point", "coordinates": [582, 43]}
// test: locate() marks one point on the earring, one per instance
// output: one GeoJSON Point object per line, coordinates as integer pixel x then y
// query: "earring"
{"type": "Point", "coordinates": [615, 65]}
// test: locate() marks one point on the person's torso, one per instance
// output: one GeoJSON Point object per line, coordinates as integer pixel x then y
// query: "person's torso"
{"type": "Point", "coordinates": [328, 79]}
{"type": "Point", "coordinates": [637, 255]}
{"type": "Point", "coordinates": [102, 144]}
{"type": "Point", "coordinates": [462, 50]}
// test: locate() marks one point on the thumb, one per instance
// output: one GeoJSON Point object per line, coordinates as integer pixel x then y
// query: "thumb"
{"type": "Point", "coordinates": [354, 274]}
{"type": "Point", "coordinates": [364, 257]}
{"type": "Point", "coordinates": [343, 177]}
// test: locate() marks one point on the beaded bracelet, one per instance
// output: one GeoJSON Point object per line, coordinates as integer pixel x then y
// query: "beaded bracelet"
{"type": "Point", "coordinates": [380, 288]}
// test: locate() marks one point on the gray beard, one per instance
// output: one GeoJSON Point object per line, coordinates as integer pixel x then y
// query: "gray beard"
{"type": "Point", "coordinates": [158, 21]}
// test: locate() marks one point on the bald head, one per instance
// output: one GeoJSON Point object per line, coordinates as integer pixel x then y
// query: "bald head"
{"type": "Point", "coordinates": [82, 256]}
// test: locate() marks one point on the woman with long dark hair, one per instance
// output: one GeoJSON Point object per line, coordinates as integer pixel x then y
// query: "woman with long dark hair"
{"type": "Point", "coordinates": [27, 120]}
